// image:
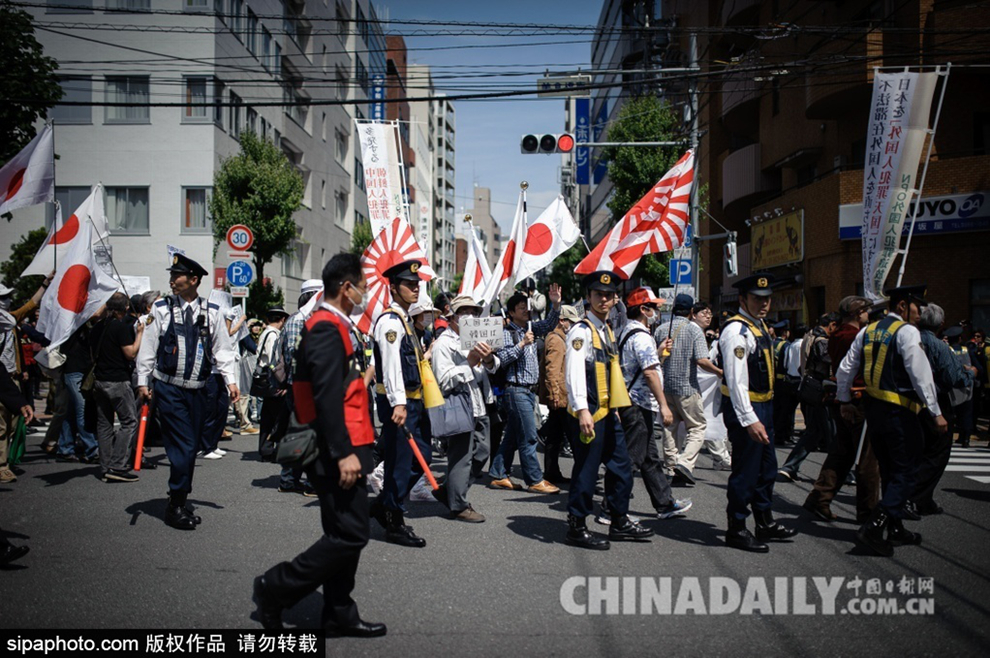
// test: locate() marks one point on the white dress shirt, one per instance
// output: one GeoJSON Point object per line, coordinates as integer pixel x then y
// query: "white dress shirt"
{"type": "Point", "coordinates": [738, 334]}
{"type": "Point", "coordinates": [919, 371]}
{"type": "Point", "coordinates": [391, 365]}
{"type": "Point", "coordinates": [223, 351]}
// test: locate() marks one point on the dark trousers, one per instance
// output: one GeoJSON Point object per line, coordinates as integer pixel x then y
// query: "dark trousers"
{"type": "Point", "coordinates": [333, 560]}
{"type": "Point", "coordinates": [934, 458]}
{"type": "Point", "coordinates": [754, 464]}
{"type": "Point", "coordinates": [785, 402]}
{"type": "Point", "coordinates": [182, 412]}
{"type": "Point", "coordinates": [839, 462]}
{"type": "Point", "coordinates": [962, 421]}
{"type": "Point", "coordinates": [608, 448]}
{"type": "Point", "coordinates": [818, 430]}
{"type": "Point", "coordinates": [217, 404]}
{"type": "Point", "coordinates": [637, 426]}
{"type": "Point", "coordinates": [556, 430]}
{"type": "Point", "coordinates": [400, 462]}
{"type": "Point", "coordinates": [274, 419]}
{"type": "Point", "coordinates": [497, 428]}
{"type": "Point", "coordinates": [897, 443]}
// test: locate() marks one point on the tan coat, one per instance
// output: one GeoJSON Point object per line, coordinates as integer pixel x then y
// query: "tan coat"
{"type": "Point", "coordinates": [553, 386]}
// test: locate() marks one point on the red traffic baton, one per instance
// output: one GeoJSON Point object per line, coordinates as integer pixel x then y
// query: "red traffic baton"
{"type": "Point", "coordinates": [142, 426]}
{"type": "Point", "coordinates": [419, 457]}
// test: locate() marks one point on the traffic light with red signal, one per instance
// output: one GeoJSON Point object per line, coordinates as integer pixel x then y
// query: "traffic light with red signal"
{"type": "Point", "coordinates": [547, 143]}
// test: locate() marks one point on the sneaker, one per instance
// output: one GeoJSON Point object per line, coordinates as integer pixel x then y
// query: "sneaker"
{"type": "Point", "coordinates": [468, 515]}
{"type": "Point", "coordinates": [303, 490]}
{"type": "Point", "coordinates": [208, 455]}
{"type": "Point", "coordinates": [721, 464]}
{"type": "Point", "coordinates": [119, 476]}
{"type": "Point", "coordinates": [678, 508]}
{"type": "Point", "coordinates": [220, 452]}
{"type": "Point", "coordinates": [7, 475]}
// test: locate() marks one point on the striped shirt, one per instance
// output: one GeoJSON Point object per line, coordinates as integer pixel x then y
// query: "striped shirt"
{"type": "Point", "coordinates": [680, 369]}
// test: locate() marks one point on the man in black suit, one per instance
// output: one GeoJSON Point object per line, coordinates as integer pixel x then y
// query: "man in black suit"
{"type": "Point", "coordinates": [10, 397]}
{"type": "Point", "coordinates": [325, 374]}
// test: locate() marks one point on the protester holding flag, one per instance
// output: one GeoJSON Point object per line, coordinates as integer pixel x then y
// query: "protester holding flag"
{"type": "Point", "coordinates": [185, 339]}
{"type": "Point", "coordinates": [520, 359]}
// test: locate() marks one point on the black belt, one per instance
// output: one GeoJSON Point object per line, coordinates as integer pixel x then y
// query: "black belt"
{"type": "Point", "coordinates": [532, 388]}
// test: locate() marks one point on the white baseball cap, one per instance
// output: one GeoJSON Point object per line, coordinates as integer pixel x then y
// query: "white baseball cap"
{"type": "Point", "coordinates": [311, 285]}
{"type": "Point", "coordinates": [4, 290]}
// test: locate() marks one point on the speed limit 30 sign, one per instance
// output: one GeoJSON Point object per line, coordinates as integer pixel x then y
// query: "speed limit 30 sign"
{"type": "Point", "coordinates": [240, 237]}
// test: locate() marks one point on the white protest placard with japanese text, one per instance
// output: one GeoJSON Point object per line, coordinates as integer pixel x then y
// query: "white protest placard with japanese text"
{"type": "Point", "coordinates": [481, 330]}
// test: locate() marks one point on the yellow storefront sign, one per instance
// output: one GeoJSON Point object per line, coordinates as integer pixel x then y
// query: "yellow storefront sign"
{"type": "Point", "coordinates": [778, 241]}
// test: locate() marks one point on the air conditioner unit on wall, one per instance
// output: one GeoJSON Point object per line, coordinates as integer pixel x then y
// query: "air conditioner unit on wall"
{"type": "Point", "coordinates": [840, 161]}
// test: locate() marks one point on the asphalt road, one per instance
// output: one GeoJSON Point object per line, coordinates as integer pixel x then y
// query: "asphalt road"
{"type": "Point", "coordinates": [101, 557]}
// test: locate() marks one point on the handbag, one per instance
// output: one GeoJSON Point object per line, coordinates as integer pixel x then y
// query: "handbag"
{"type": "Point", "coordinates": [89, 379]}
{"type": "Point", "coordinates": [811, 391]}
{"type": "Point", "coordinates": [455, 417]}
{"type": "Point", "coordinates": [261, 379]}
{"type": "Point", "coordinates": [298, 447]}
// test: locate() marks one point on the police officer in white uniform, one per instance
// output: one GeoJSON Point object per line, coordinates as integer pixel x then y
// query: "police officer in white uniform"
{"type": "Point", "coordinates": [185, 339]}
{"type": "Point", "coordinates": [899, 385]}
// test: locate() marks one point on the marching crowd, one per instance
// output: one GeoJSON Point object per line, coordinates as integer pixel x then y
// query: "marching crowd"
{"type": "Point", "coordinates": [882, 389]}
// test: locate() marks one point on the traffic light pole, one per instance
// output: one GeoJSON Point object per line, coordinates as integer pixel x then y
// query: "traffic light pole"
{"type": "Point", "coordinates": [693, 92]}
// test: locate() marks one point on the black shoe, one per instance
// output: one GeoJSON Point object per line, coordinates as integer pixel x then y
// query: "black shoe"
{"type": "Point", "coordinates": [565, 451]}
{"type": "Point", "coordinates": [90, 460]}
{"type": "Point", "coordinates": [623, 528]}
{"type": "Point", "coordinates": [684, 473]}
{"type": "Point", "coordinates": [579, 535]}
{"type": "Point", "coordinates": [871, 533]}
{"type": "Point", "coordinates": [397, 532]}
{"type": "Point", "coordinates": [195, 517]}
{"type": "Point", "coordinates": [929, 508]}
{"type": "Point", "coordinates": [66, 458]}
{"type": "Point", "coordinates": [9, 553]}
{"type": "Point", "coordinates": [898, 535]}
{"type": "Point", "coordinates": [911, 512]}
{"type": "Point", "coordinates": [147, 465]}
{"type": "Point", "coordinates": [769, 530]}
{"type": "Point", "coordinates": [119, 476]}
{"type": "Point", "coordinates": [360, 629]}
{"type": "Point", "coordinates": [737, 536]}
{"type": "Point", "coordinates": [179, 518]}
{"type": "Point", "coordinates": [269, 614]}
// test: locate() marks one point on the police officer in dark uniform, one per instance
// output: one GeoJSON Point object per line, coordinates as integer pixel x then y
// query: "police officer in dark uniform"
{"type": "Point", "coordinates": [746, 358]}
{"type": "Point", "coordinates": [186, 338]}
{"type": "Point", "coordinates": [595, 390]}
{"type": "Point", "coordinates": [397, 352]}
{"type": "Point", "coordinates": [899, 385]}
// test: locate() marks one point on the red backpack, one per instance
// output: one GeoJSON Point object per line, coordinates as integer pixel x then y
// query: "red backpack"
{"type": "Point", "coordinates": [357, 418]}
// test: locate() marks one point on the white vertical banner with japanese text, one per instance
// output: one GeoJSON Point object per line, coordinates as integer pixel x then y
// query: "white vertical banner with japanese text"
{"type": "Point", "coordinates": [382, 177]}
{"type": "Point", "coordinates": [896, 134]}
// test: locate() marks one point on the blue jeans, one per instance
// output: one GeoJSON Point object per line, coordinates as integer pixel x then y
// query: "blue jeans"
{"type": "Point", "coordinates": [77, 407]}
{"type": "Point", "coordinates": [520, 432]}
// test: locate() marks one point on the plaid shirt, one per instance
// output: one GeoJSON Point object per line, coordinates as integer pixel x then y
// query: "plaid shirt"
{"type": "Point", "coordinates": [523, 365]}
{"type": "Point", "coordinates": [289, 341]}
{"type": "Point", "coordinates": [680, 369]}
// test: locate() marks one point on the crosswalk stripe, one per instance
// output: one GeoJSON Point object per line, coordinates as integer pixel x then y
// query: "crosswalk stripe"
{"type": "Point", "coordinates": [982, 479]}
{"type": "Point", "coordinates": [969, 460]}
{"type": "Point", "coordinates": [967, 468]}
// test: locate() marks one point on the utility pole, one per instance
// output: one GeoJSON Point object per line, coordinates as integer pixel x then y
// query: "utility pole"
{"type": "Point", "coordinates": [693, 94]}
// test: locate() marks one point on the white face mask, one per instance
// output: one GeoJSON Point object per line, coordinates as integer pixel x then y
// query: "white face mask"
{"type": "Point", "coordinates": [360, 306]}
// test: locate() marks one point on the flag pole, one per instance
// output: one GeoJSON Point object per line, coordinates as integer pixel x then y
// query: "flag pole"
{"type": "Point", "coordinates": [58, 209]}
{"type": "Point", "coordinates": [524, 185]}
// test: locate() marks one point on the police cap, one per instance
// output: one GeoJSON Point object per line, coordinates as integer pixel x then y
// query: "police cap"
{"type": "Point", "coordinates": [404, 271]}
{"type": "Point", "coordinates": [603, 280]}
{"type": "Point", "coordinates": [182, 264]}
{"type": "Point", "coordinates": [914, 294]}
{"type": "Point", "coordinates": [783, 324]}
{"type": "Point", "coordinates": [759, 284]}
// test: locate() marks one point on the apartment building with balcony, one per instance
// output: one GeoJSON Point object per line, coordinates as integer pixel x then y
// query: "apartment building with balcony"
{"type": "Point", "coordinates": [444, 235]}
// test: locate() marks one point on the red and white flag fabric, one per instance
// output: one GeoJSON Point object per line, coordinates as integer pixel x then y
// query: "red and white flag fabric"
{"type": "Point", "coordinates": [63, 234]}
{"type": "Point", "coordinates": [553, 233]}
{"type": "Point", "coordinates": [657, 223]}
{"type": "Point", "coordinates": [477, 272]}
{"type": "Point", "coordinates": [394, 244]}
{"type": "Point", "coordinates": [29, 178]}
{"type": "Point", "coordinates": [77, 292]}
{"type": "Point", "coordinates": [508, 264]}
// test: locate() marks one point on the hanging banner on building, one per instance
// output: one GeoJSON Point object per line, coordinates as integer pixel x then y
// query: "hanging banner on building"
{"type": "Point", "coordinates": [952, 213]}
{"type": "Point", "coordinates": [381, 173]}
{"type": "Point", "coordinates": [778, 241]}
{"type": "Point", "coordinates": [582, 133]}
{"type": "Point", "coordinates": [895, 136]}
{"type": "Point", "coordinates": [377, 97]}
{"type": "Point", "coordinates": [597, 132]}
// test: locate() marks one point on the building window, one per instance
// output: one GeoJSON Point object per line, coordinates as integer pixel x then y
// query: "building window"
{"type": "Point", "coordinates": [341, 80]}
{"type": "Point", "coordinates": [358, 174]}
{"type": "Point", "coordinates": [129, 5]}
{"type": "Point", "coordinates": [266, 48]}
{"type": "Point", "coordinates": [130, 90]}
{"type": "Point", "coordinates": [218, 112]}
{"type": "Point", "coordinates": [340, 208]}
{"type": "Point", "coordinates": [75, 90]}
{"type": "Point", "coordinates": [218, 8]}
{"type": "Point", "coordinates": [196, 5]}
{"type": "Point", "coordinates": [252, 120]}
{"type": "Point", "coordinates": [362, 77]}
{"type": "Point", "coordinates": [251, 37]}
{"type": "Point", "coordinates": [340, 146]}
{"type": "Point", "coordinates": [979, 300]}
{"type": "Point", "coordinates": [237, 17]}
{"type": "Point", "coordinates": [342, 19]}
{"type": "Point", "coordinates": [127, 210]}
{"type": "Point", "coordinates": [84, 7]}
{"type": "Point", "coordinates": [323, 59]}
{"type": "Point", "coordinates": [264, 129]}
{"type": "Point", "coordinates": [276, 137]}
{"type": "Point", "coordinates": [195, 210]}
{"type": "Point", "coordinates": [323, 194]}
{"type": "Point", "coordinates": [277, 60]}
{"type": "Point", "coordinates": [292, 262]}
{"type": "Point", "coordinates": [195, 98]}
{"type": "Point", "coordinates": [69, 198]}
{"type": "Point", "coordinates": [235, 115]}
{"type": "Point", "coordinates": [323, 127]}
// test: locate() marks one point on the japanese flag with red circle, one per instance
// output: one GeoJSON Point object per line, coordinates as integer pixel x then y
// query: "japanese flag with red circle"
{"type": "Point", "coordinates": [508, 264]}
{"type": "Point", "coordinates": [77, 292]}
{"type": "Point", "coordinates": [63, 233]}
{"type": "Point", "coordinates": [29, 178]}
{"type": "Point", "coordinates": [553, 233]}
{"type": "Point", "coordinates": [477, 273]}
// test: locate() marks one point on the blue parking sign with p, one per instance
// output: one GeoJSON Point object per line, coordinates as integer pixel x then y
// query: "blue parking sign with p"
{"type": "Point", "coordinates": [240, 273]}
{"type": "Point", "coordinates": [680, 272]}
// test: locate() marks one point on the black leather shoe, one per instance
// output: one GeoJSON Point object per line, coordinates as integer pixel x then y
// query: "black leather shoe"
{"type": "Point", "coordinates": [195, 517]}
{"type": "Point", "coordinates": [9, 553]}
{"type": "Point", "coordinates": [623, 528]}
{"type": "Point", "coordinates": [179, 518]}
{"type": "Point", "coordinates": [360, 629]}
{"type": "Point", "coordinates": [769, 530]}
{"type": "Point", "coordinates": [898, 535]}
{"type": "Point", "coordinates": [579, 535]}
{"type": "Point", "coordinates": [871, 533]}
{"type": "Point", "coordinates": [928, 509]}
{"type": "Point", "coordinates": [397, 532]}
{"type": "Point", "coordinates": [737, 536]}
{"type": "Point", "coordinates": [269, 614]}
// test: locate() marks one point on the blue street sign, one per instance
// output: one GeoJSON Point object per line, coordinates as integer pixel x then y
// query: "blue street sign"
{"type": "Point", "coordinates": [377, 95]}
{"type": "Point", "coordinates": [680, 272]}
{"type": "Point", "coordinates": [240, 273]}
{"type": "Point", "coordinates": [582, 133]}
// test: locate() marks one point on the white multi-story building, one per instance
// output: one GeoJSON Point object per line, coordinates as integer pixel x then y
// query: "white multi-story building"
{"type": "Point", "coordinates": [195, 74]}
{"type": "Point", "coordinates": [423, 143]}
{"type": "Point", "coordinates": [444, 237]}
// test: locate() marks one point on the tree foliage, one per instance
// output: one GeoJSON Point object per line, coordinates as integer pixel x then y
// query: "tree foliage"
{"type": "Point", "coordinates": [634, 170]}
{"type": "Point", "coordinates": [361, 237]}
{"type": "Point", "coordinates": [261, 189]}
{"type": "Point", "coordinates": [31, 87]}
{"type": "Point", "coordinates": [22, 253]}
{"type": "Point", "coordinates": [262, 295]}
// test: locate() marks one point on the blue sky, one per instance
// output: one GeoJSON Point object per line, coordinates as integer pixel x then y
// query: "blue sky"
{"type": "Point", "coordinates": [488, 132]}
